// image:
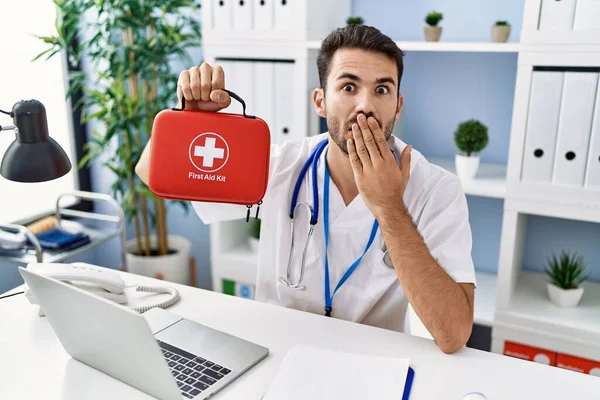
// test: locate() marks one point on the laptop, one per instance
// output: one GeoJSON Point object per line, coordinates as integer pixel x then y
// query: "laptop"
{"type": "Point", "coordinates": [158, 352]}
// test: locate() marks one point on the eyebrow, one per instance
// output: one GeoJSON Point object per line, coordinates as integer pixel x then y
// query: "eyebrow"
{"type": "Point", "coordinates": [353, 77]}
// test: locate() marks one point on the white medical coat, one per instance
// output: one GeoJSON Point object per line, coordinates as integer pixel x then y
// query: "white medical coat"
{"type": "Point", "coordinates": [373, 294]}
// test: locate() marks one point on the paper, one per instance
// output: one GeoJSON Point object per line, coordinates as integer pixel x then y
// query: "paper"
{"type": "Point", "coordinates": [312, 373]}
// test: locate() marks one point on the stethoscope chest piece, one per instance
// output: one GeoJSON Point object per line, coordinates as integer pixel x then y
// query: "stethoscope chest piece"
{"type": "Point", "coordinates": [387, 260]}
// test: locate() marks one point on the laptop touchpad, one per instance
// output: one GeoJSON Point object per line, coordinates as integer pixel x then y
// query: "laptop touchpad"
{"type": "Point", "coordinates": [194, 338]}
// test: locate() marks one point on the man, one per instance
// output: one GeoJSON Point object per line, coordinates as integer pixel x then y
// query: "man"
{"type": "Point", "coordinates": [380, 195]}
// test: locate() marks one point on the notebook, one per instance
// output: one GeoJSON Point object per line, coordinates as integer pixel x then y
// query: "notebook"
{"type": "Point", "coordinates": [309, 372]}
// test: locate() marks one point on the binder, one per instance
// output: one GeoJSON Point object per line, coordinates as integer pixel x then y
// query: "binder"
{"type": "Point", "coordinates": [574, 128]}
{"type": "Point", "coordinates": [284, 102]}
{"type": "Point", "coordinates": [242, 15]}
{"type": "Point", "coordinates": [542, 126]}
{"type": "Point", "coordinates": [264, 95]}
{"type": "Point", "coordinates": [587, 15]}
{"type": "Point", "coordinates": [557, 15]}
{"type": "Point", "coordinates": [592, 175]}
{"type": "Point", "coordinates": [229, 69]}
{"type": "Point", "coordinates": [263, 14]}
{"type": "Point", "coordinates": [222, 14]}
{"type": "Point", "coordinates": [243, 85]}
{"type": "Point", "coordinates": [283, 15]}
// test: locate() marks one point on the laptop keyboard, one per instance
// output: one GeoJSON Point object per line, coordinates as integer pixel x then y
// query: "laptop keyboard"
{"type": "Point", "coordinates": [193, 374]}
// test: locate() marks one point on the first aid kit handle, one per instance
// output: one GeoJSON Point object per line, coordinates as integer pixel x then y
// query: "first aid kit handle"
{"type": "Point", "coordinates": [235, 96]}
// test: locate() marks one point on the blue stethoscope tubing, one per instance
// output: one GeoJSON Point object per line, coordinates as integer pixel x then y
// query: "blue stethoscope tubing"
{"type": "Point", "coordinates": [314, 217]}
{"type": "Point", "coordinates": [312, 161]}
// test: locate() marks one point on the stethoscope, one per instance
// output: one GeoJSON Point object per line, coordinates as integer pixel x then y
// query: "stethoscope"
{"type": "Point", "coordinates": [311, 162]}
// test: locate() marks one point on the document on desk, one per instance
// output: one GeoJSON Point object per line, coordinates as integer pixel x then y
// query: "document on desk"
{"type": "Point", "coordinates": [313, 373]}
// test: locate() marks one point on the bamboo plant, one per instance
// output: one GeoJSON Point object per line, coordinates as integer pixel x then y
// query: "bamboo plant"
{"type": "Point", "coordinates": [130, 47]}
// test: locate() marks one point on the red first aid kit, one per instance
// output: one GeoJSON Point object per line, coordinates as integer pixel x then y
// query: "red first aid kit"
{"type": "Point", "coordinates": [209, 156]}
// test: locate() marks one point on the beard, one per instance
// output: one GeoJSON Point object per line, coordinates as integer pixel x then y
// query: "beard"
{"type": "Point", "coordinates": [338, 131]}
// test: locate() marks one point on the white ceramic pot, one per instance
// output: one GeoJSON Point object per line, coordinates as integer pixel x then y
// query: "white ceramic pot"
{"type": "Point", "coordinates": [564, 297]}
{"type": "Point", "coordinates": [500, 33]}
{"type": "Point", "coordinates": [433, 33]}
{"type": "Point", "coordinates": [466, 167]}
{"type": "Point", "coordinates": [174, 267]}
{"type": "Point", "coordinates": [254, 242]}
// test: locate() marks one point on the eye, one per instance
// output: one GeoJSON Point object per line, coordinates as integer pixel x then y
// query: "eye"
{"type": "Point", "coordinates": [382, 90]}
{"type": "Point", "coordinates": [348, 87]}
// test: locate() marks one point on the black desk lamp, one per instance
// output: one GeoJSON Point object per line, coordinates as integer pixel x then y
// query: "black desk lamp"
{"type": "Point", "coordinates": [34, 156]}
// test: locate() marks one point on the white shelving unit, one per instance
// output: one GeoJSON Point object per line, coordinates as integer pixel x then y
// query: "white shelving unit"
{"type": "Point", "coordinates": [512, 302]}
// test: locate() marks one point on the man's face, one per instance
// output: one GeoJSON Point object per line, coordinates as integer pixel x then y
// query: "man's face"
{"type": "Point", "coordinates": [359, 82]}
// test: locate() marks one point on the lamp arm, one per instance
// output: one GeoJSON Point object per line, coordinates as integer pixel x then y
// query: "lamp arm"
{"type": "Point", "coordinates": [6, 112]}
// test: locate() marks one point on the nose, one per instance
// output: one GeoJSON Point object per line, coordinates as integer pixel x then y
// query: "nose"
{"type": "Point", "coordinates": [365, 104]}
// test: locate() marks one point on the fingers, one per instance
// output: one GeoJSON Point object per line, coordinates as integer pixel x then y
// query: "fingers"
{"type": "Point", "coordinates": [353, 155]}
{"type": "Point", "coordinates": [368, 139]}
{"type": "Point", "coordinates": [380, 140]}
{"type": "Point", "coordinates": [218, 95]}
{"type": "Point", "coordinates": [184, 85]}
{"type": "Point", "coordinates": [205, 82]}
{"type": "Point", "coordinates": [195, 83]}
{"type": "Point", "coordinates": [361, 149]}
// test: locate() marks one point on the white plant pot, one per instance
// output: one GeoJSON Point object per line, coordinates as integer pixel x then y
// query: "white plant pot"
{"type": "Point", "coordinates": [254, 242]}
{"type": "Point", "coordinates": [562, 297]}
{"type": "Point", "coordinates": [466, 167]}
{"type": "Point", "coordinates": [433, 33]}
{"type": "Point", "coordinates": [500, 33]}
{"type": "Point", "coordinates": [174, 267]}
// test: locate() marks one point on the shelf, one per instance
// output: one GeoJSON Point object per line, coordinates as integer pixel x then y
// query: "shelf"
{"type": "Point", "coordinates": [485, 299]}
{"type": "Point", "coordinates": [472, 47]}
{"type": "Point", "coordinates": [531, 308]}
{"type": "Point", "coordinates": [490, 180]}
{"type": "Point", "coordinates": [239, 264]}
{"type": "Point", "coordinates": [27, 255]}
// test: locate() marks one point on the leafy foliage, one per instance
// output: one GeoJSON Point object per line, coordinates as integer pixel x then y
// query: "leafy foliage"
{"type": "Point", "coordinates": [433, 18]}
{"type": "Point", "coordinates": [131, 45]}
{"type": "Point", "coordinates": [355, 21]}
{"type": "Point", "coordinates": [502, 23]}
{"type": "Point", "coordinates": [566, 271]}
{"type": "Point", "coordinates": [471, 136]}
{"type": "Point", "coordinates": [254, 227]}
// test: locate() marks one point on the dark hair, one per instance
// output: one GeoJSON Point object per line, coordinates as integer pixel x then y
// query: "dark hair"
{"type": "Point", "coordinates": [357, 37]}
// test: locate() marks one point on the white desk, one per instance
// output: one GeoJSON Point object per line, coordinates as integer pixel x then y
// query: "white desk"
{"type": "Point", "coordinates": [33, 364]}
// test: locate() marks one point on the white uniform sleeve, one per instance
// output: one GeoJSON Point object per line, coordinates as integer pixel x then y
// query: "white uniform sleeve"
{"type": "Point", "coordinates": [444, 225]}
{"type": "Point", "coordinates": [217, 212]}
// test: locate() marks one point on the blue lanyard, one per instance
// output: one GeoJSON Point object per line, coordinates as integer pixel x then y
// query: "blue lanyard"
{"type": "Point", "coordinates": [328, 296]}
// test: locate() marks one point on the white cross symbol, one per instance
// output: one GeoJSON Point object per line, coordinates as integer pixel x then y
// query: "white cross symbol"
{"type": "Point", "coordinates": [209, 152]}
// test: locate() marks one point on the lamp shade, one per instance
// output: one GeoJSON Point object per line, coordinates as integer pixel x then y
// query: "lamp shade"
{"type": "Point", "coordinates": [34, 156]}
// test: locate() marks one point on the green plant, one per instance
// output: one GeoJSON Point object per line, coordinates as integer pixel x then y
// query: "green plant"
{"type": "Point", "coordinates": [355, 21]}
{"type": "Point", "coordinates": [502, 23]}
{"type": "Point", "coordinates": [433, 18]}
{"type": "Point", "coordinates": [566, 271]}
{"type": "Point", "coordinates": [471, 137]}
{"type": "Point", "coordinates": [130, 46]}
{"type": "Point", "coordinates": [254, 228]}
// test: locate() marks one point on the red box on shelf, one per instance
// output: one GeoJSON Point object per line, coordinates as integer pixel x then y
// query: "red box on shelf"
{"type": "Point", "coordinates": [578, 364]}
{"type": "Point", "coordinates": [529, 353]}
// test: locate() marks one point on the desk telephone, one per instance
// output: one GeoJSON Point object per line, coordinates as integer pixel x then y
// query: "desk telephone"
{"type": "Point", "coordinates": [98, 280]}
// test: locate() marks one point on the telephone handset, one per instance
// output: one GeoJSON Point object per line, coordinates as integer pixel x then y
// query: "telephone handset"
{"type": "Point", "coordinates": [100, 281]}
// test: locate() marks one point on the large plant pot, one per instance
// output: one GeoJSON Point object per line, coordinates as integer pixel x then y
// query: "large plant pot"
{"type": "Point", "coordinates": [173, 267]}
{"type": "Point", "coordinates": [466, 167]}
{"type": "Point", "coordinates": [433, 33]}
{"type": "Point", "coordinates": [564, 297]}
{"type": "Point", "coordinates": [500, 33]}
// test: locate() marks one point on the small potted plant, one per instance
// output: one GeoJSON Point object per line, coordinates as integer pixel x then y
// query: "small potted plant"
{"type": "Point", "coordinates": [432, 30]}
{"type": "Point", "coordinates": [500, 32]}
{"type": "Point", "coordinates": [254, 234]}
{"type": "Point", "coordinates": [355, 21]}
{"type": "Point", "coordinates": [471, 137]}
{"type": "Point", "coordinates": [566, 273]}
